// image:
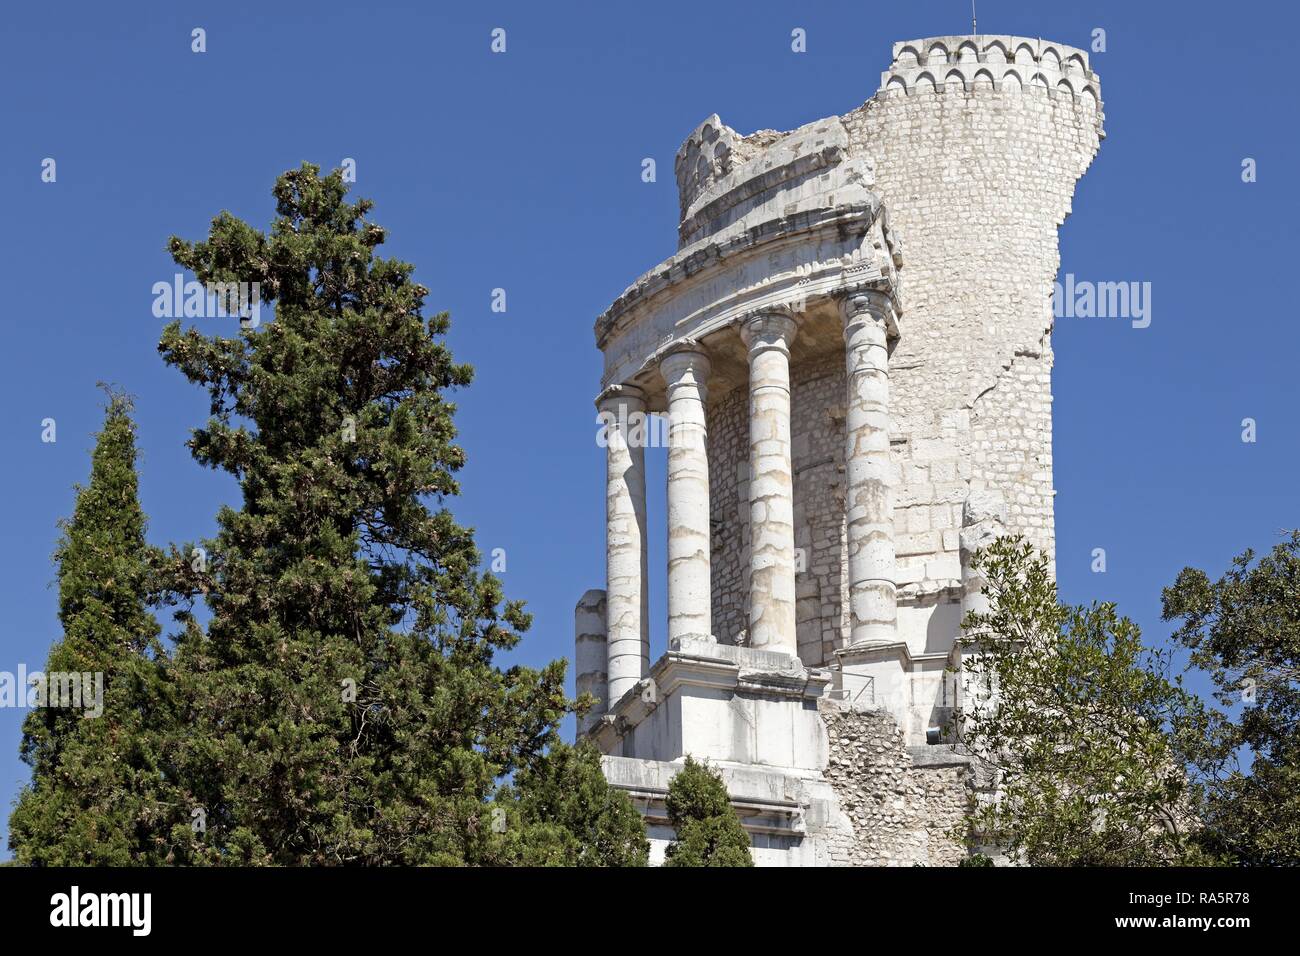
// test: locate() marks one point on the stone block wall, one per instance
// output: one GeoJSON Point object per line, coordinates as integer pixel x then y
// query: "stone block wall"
{"type": "Point", "coordinates": [977, 171]}
{"type": "Point", "coordinates": [976, 146]}
{"type": "Point", "coordinates": [817, 456]}
{"type": "Point", "coordinates": [728, 450]}
{"type": "Point", "coordinates": [903, 810]}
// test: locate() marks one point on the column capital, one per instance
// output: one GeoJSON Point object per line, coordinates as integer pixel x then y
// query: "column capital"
{"type": "Point", "coordinates": [621, 394]}
{"type": "Point", "coordinates": [685, 357]}
{"type": "Point", "coordinates": [868, 302]}
{"type": "Point", "coordinates": [770, 327]}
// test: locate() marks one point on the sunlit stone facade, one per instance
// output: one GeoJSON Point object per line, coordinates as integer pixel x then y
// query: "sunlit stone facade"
{"type": "Point", "coordinates": [852, 346]}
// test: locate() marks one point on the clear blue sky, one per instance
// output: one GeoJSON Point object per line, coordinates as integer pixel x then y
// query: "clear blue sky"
{"type": "Point", "coordinates": [522, 171]}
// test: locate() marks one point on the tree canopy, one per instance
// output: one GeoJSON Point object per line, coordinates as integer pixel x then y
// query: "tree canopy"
{"type": "Point", "coordinates": [1244, 631]}
{"type": "Point", "coordinates": [1083, 735]}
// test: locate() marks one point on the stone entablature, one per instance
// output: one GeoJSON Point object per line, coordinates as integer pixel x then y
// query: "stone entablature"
{"type": "Point", "coordinates": [787, 228]}
{"type": "Point", "coordinates": [840, 443]}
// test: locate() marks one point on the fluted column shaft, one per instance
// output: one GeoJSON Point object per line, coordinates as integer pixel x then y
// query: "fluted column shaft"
{"type": "Point", "coordinates": [686, 371]}
{"type": "Point", "coordinates": [869, 496]}
{"type": "Point", "coordinates": [622, 414]}
{"type": "Point", "coordinates": [771, 483]}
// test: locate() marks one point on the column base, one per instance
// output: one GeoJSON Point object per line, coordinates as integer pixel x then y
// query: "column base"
{"type": "Point", "coordinates": [886, 675]}
{"type": "Point", "coordinates": [721, 703]}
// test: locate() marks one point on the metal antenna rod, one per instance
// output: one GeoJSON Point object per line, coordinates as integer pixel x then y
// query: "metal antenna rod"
{"type": "Point", "coordinates": [974, 24]}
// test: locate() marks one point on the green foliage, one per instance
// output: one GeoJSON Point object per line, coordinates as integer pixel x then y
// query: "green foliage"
{"type": "Point", "coordinates": [99, 786]}
{"type": "Point", "coordinates": [1244, 629]}
{"type": "Point", "coordinates": [562, 812]}
{"type": "Point", "coordinates": [342, 703]}
{"type": "Point", "coordinates": [708, 831]}
{"type": "Point", "coordinates": [1078, 723]}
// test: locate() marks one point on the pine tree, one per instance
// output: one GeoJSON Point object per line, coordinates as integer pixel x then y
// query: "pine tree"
{"type": "Point", "coordinates": [564, 813]}
{"type": "Point", "coordinates": [708, 831]}
{"type": "Point", "coordinates": [343, 703]}
{"type": "Point", "coordinates": [99, 783]}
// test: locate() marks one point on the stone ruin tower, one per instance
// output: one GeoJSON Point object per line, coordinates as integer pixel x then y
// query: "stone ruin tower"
{"type": "Point", "coordinates": [852, 346]}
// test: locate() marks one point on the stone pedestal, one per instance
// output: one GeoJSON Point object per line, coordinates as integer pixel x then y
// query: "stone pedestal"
{"type": "Point", "coordinates": [792, 819]}
{"type": "Point", "coordinates": [590, 655]}
{"type": "Point", "coordinates": [721, 703]}
{"type": "Point", "coordinates": [875, 675]}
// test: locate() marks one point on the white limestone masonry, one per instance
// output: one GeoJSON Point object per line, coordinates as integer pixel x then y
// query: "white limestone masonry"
{"type": "Point", "coordinates": [853, 345]}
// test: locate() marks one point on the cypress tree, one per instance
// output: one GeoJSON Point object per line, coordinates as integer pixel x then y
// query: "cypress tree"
{"type": "Point", "coordinates": [708, 831]}
{"type": "Point", "coordinates": [99, 786]}
{"type": "Point", "coordinates": [564, 813]}
{"type": "Point", "coordinates": [343, 703]}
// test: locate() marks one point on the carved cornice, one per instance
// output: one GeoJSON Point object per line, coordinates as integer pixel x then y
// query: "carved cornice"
{"type": "Point", "coordinates": [765, 182]}
{"type": "Point", "coordinates": [621, 393]}
{"type": "Point", "coordinates": [854, 219]}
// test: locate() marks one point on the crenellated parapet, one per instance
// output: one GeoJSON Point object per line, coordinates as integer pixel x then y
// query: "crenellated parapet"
{"type": "Point", "coordinates": [1007, 64]}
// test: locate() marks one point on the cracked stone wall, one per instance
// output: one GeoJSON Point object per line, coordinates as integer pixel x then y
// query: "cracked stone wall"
{"type": "Point", "coordinates": [976, 182]}
{"type": "Point", "coordinates": [901, 814]}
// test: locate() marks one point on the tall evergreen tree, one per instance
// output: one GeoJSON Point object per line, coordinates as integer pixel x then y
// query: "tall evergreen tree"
{"type": "Point", "coordinates": [99, 788]}
{"type": "Point", "coordinates": [564, 813]}
{"type": "Point", "coordinates": [343, 701]}
{"type": "Point", "coordinates": [708, 831]}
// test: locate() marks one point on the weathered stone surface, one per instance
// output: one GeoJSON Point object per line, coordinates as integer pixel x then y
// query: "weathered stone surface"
{"type": "Point", "coordinates": [685, 370]}
{"type": "Point", "coordinates": [869, 502]}
{"type": "Point", "coordinates": [771, 484]}
{"type": "Point", "coordinates": [627, 592]}
{"type": "Point", "coordinates": [903, 810]}
{"type": "Point", "coordinates": [853, 458]}
{"type": "Point", "coordinates": [590, 655]}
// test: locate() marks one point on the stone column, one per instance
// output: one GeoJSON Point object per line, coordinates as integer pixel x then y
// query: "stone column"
{"type": "Point", "coordinates": [869, 496]}
{"type": "Point", "coordinates": [983, 517]}
{"type": "Point", "coordinates": [590, 656]}
{"type": "Point", "coordinates": [622, 414]}
{"type": "Point", "coordinates": [768, 335]}
{"type": "Point", "coordinates": [685, 369]}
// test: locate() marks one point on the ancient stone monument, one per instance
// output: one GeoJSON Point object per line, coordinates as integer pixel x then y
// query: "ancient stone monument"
{"type": "Point", "coordinates": [852, 346]}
